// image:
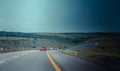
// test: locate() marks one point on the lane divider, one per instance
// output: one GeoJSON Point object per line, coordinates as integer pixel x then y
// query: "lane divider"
{"type": "Point", "coordinates": [57, 68]}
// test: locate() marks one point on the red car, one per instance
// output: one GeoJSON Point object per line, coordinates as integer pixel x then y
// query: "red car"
{"type": "Point", "coordinates": [42, 49]}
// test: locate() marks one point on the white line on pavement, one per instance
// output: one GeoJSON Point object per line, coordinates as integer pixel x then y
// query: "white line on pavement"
{"type": "Point", "coordinates": [2, 62]}
{"type": "Point", "coordinates": [23, 54]}
{"type": "Point", "coordinates": [15, 56]}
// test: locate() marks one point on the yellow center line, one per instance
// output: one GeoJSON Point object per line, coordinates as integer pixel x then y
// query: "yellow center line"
{"type": "Point", "coordinates": [53, 62]}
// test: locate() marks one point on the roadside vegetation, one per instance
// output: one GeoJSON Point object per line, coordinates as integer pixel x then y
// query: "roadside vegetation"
{"type": "Point", "coordinates": [103, 50]}
{"type": "Point", "coordinates": [25, 41]}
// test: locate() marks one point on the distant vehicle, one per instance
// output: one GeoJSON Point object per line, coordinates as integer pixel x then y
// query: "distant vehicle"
{"type": "Point", "coordinates": [42, 49]}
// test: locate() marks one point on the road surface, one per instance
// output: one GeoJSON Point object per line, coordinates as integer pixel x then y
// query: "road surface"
{"type": "Point", "coordinates": [36, 60]}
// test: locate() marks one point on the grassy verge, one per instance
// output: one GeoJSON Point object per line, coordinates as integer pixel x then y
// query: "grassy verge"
{"type": "Point", "coordinates": [110, 60]}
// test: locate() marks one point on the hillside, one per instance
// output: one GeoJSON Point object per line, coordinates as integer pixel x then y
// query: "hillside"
{"type": "Point", "coordinates": [22, 41]}
{"type": "Point", "coordinates": [103, 50]}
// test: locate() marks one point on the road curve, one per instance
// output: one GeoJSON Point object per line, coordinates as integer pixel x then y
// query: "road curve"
{"type": "Point", "coordinates": [36, 60]}
{"type": "Point", "coordinates": [71, 63]}
{"type": "Point", "coordinates": [26, 61]}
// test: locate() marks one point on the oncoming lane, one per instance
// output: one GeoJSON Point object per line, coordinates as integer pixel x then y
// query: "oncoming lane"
{"type": "Point", "coordinates": [34, 61]}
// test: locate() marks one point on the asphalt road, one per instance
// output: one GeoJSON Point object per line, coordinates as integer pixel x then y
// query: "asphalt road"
{"type": "Point", "coordinates": [36, 60]}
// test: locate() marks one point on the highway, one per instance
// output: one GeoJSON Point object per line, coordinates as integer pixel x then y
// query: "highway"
{"type": "Point", "coordinates": [35, 60]}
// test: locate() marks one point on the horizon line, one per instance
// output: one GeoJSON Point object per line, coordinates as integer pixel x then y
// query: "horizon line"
{"type": "Point", "coordinates": [58, 32]}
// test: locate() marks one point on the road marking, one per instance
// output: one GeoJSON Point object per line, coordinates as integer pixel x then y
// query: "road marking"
{"type": "Point", "coordinates": [53, 63]}
{"type": "Point", "coordinates": [15, 56]}
{"type": "Point", "coordinates": [23, 54]}
{"type": "Point", "coordinates": [2, 62]}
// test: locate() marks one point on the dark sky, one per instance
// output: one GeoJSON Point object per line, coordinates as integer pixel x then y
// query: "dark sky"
{"type": "Point", "coordinates": [60, 15]}
{"type": "Point", "coordinates": [107, 15]}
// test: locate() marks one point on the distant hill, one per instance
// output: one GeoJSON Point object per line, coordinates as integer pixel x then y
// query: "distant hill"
{"type": "Point", "coordinates": [61, 37]}
{"type": "Point", "coordinates": [19, 40]}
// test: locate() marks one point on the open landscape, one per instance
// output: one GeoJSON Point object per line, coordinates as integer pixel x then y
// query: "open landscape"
{"type": "Point", "coordinates": [101, 48]}
{"type": "Point", "coordinates": [17, 40]}
{"type": "Point", "coordinates": [59, 35]}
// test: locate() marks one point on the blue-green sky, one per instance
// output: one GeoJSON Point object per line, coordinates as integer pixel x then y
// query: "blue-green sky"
{"type": "Point", "coordinates": [60, 15]}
